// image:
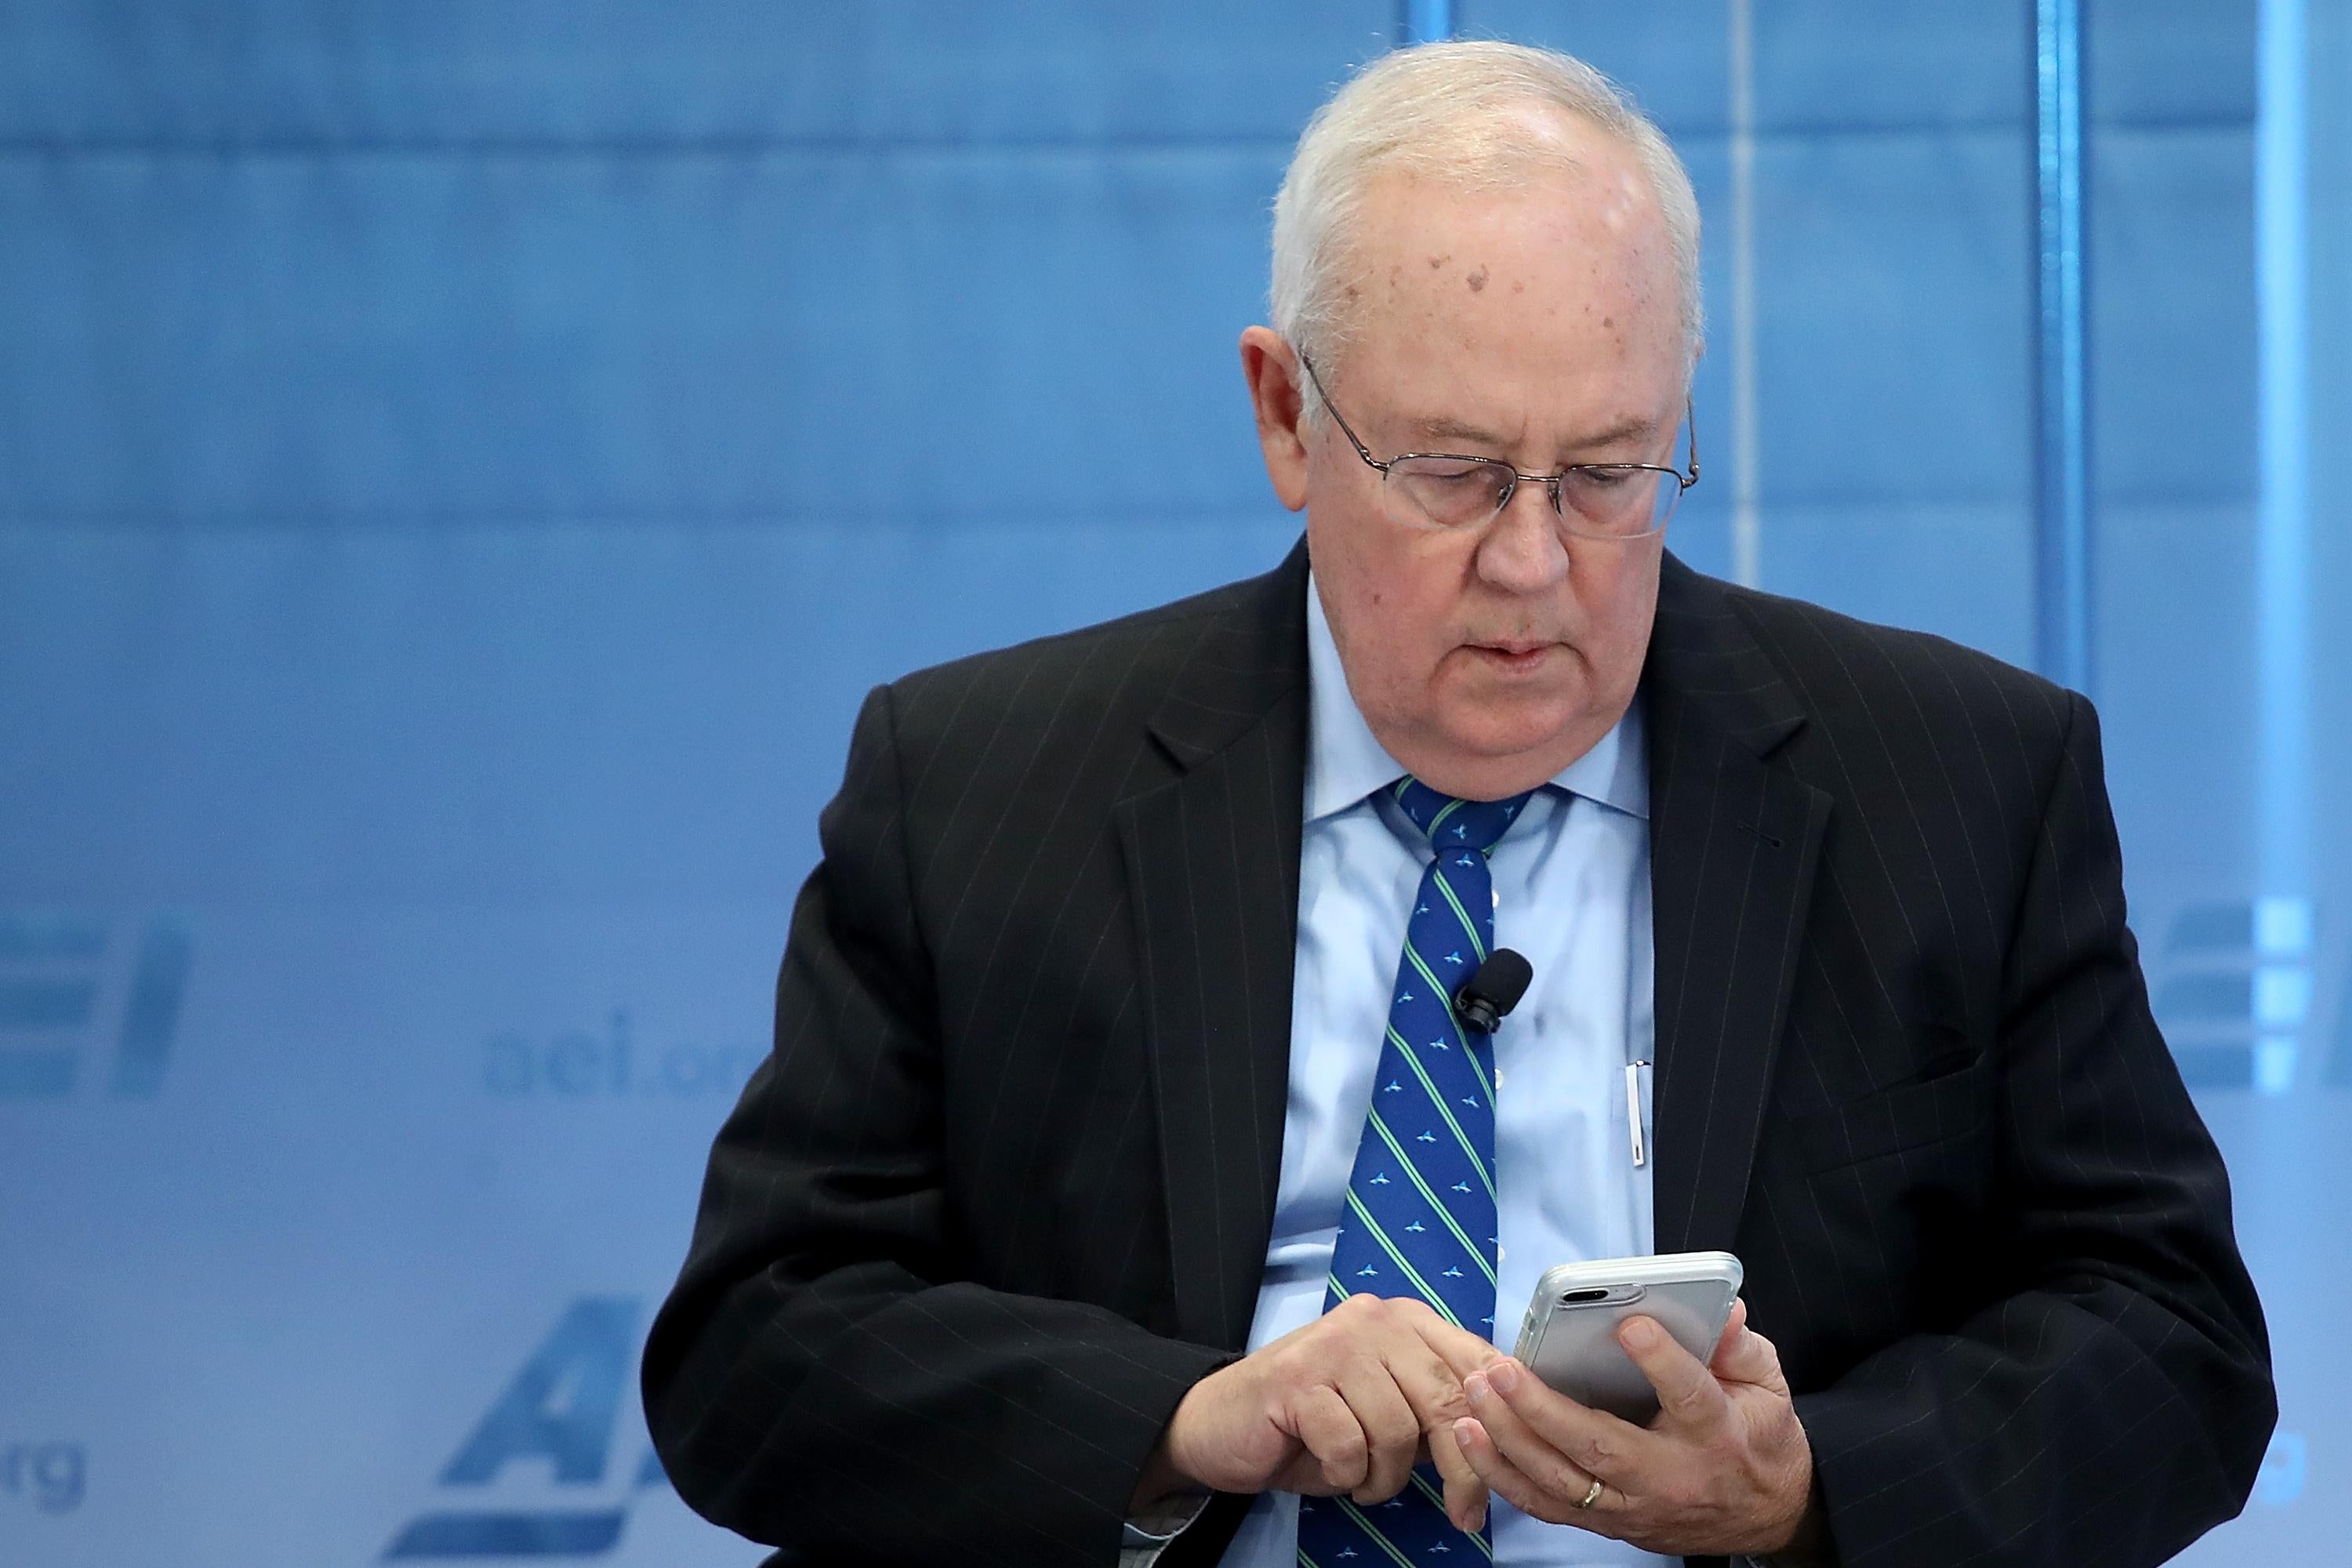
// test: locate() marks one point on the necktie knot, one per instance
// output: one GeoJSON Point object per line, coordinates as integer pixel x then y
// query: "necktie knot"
{"type": "Point", "coordinates": [1456, 823]}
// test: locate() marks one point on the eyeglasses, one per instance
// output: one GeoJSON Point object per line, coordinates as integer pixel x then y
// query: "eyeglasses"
{"type": "Point", "coordinates": [1448, 492]}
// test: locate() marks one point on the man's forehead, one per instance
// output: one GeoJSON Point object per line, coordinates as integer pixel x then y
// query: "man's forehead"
{"type": "Point", "coordinates": [1587, 200]}
{"type": "Point", "coordinates": [1433, 257]}
{"type": "Point", "coordinates": [1423, 247]}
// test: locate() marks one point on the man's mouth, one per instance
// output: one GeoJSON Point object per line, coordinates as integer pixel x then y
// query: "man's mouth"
{"type": "Point", "coordinates": [1513, 655]}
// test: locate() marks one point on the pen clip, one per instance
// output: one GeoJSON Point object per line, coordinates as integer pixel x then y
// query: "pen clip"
{"type": "Point", "coordinates": [1633, 1111]}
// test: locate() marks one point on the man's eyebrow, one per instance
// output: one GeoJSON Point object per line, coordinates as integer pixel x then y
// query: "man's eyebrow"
{"type": "Point", "coordinates": [1625, 430]}
{"type": "Point", "coordinates": [1454, 430]}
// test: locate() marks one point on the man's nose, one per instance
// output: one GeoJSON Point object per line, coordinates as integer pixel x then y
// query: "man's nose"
{"type": "Point", "coordinates": [1523, 551]}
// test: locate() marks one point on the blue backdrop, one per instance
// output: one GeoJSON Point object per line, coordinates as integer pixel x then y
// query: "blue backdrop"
{"type": "Point", "coordinates": [460, 465]}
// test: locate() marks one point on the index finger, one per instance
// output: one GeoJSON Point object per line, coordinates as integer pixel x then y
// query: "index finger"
{"type": "Point", "coordinates": [1431, 1381]}
{"type": "Point", "coordinates": [1687, 1391]}
{"type": "Point", "coordinates": [1460, 1350]}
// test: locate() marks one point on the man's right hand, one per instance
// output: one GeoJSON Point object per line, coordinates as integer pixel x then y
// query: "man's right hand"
{"type": "Point", "coordinates": [1348, 1403]}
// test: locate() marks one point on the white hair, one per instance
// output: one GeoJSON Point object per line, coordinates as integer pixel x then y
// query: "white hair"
{"type": "Point", "coordinates": [1457, 113]}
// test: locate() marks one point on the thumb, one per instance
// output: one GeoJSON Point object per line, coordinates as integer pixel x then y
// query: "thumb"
{"type": "Point", "coordinates": [1747, 1356]}
{"type": "Point", "coordinates": [1728, 1339]}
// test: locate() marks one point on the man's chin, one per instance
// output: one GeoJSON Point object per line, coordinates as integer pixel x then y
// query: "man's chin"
{"type": "Point", "coordinates": [1488, 729]}
{"type": "Point", "coordinates": [1488, 746]}
{"type": "Point", "coordinates": [1504, 715]}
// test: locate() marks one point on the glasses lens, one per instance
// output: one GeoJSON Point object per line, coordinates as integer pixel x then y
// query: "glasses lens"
{"type": "Point", "coordinates": [1619, 500]}
{"type": "Point", "coordinates": [1446, 492]}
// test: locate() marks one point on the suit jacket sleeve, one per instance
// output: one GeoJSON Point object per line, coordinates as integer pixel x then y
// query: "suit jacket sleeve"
{"type": "Point", "coordinates": [2111, 1398]}
{"type": "Point", "coordinates": [825, 1376]}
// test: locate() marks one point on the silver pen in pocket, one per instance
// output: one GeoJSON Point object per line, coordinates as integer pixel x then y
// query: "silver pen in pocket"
{"type": "Point", "coordinates": [1633, 1112]}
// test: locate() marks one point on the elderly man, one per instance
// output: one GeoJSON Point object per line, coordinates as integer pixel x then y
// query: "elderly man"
{"type": "Point", "coordinates": [1052, 1229]}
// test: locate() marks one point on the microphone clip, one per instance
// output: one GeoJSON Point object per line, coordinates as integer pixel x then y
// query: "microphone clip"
{"type": "Point", "coordinates": [1491, 992]}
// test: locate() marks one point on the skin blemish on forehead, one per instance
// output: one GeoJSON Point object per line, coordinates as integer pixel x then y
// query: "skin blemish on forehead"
{"type": "Point", "coordinates": [1437, 261]}
{"type": "Point", "coordinates": [1477, 281]}
{"type": "Point", "coordinates": [1613, 205]}
{"type": "Point", "coordinates": [1626, 201]}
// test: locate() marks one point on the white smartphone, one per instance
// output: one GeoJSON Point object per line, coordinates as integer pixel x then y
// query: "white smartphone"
{"type": "Point", "coordinates": [1568, 1337]}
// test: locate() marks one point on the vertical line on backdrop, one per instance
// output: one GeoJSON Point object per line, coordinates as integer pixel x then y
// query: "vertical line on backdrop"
{"type": "Point", "coordinates": [1424, 21]}
{"type": "Point", "coordinates": [2283, 532]}
{"type": "Point", "coordinates": [1747, 518]}
{"type": "Point", "coordinates": [2062, 425]}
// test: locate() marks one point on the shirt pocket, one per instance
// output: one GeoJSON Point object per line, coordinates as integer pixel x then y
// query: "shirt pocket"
{"type": "Point", "coordinates": [1952, 1100]}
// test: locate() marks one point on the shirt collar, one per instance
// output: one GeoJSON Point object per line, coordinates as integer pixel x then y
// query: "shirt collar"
{"type": "Point", "coordinates": [1346, 763]}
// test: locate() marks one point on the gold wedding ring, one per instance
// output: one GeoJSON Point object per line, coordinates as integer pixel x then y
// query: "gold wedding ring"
{"type": "Point", "coordinates": [1593, 1496]}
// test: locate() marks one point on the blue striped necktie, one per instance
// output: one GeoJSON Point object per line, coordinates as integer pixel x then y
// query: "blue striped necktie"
{"type": "Point", "coordinates": [1420, 1216]}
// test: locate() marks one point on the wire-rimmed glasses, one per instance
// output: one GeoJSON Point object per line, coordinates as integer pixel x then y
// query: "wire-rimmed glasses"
{"type": "Point", "coordinates": [1451, 492]}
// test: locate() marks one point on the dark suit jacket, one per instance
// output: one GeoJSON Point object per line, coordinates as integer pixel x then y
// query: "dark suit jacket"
{"type": "Point", "coordinates": [1002, 1192]}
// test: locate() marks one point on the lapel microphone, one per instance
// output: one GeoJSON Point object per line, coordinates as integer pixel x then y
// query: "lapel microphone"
{"type": "Point", "coordinates": [1493, 991]}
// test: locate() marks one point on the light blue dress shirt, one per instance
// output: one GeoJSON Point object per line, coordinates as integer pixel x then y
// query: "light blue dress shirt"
{"type": "Point", "coordinates": [1572, 894]}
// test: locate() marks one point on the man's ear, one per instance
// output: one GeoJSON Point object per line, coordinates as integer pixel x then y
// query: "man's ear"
{"type": "Point", "coordinates": [1272, 371]}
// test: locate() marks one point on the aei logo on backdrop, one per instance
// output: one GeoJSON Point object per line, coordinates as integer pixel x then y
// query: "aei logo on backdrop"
{"type": "Point", "coordinates": [560, 1410]}
{"type": "Point", "coordinates": [576, 1064]}
{"type": "Point", "coordinates": [76, 990]}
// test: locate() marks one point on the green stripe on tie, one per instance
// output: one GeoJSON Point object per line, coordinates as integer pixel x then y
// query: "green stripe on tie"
{"type": "Point", "coordinates": [1372, 1228]}
{"type": "Point", "coordinates": [1469, 926]}
{"type": "Point", "coordinates": [1373, 1530]}
{"type": "Point", "coordinates": [1443, 1110]}
{"type": "Point", "coordinates": [1452, 1023]}
{"type": "Point", "coordinates": [1436, 1202]}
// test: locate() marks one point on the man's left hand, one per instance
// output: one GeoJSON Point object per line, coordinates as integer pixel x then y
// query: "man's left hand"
{"type": "Point", "coordinates": [1724, 1468]}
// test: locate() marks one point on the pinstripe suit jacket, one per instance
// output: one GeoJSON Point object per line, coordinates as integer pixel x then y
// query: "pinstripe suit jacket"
{"type": "Point", "coordinates": [1001, 1194]}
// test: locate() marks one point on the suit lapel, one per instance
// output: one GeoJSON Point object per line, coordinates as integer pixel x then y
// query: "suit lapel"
{"type": "Point", "coordinates": [1213, 860]}
{"type": "Point", "coordinates": [1734, 846]}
